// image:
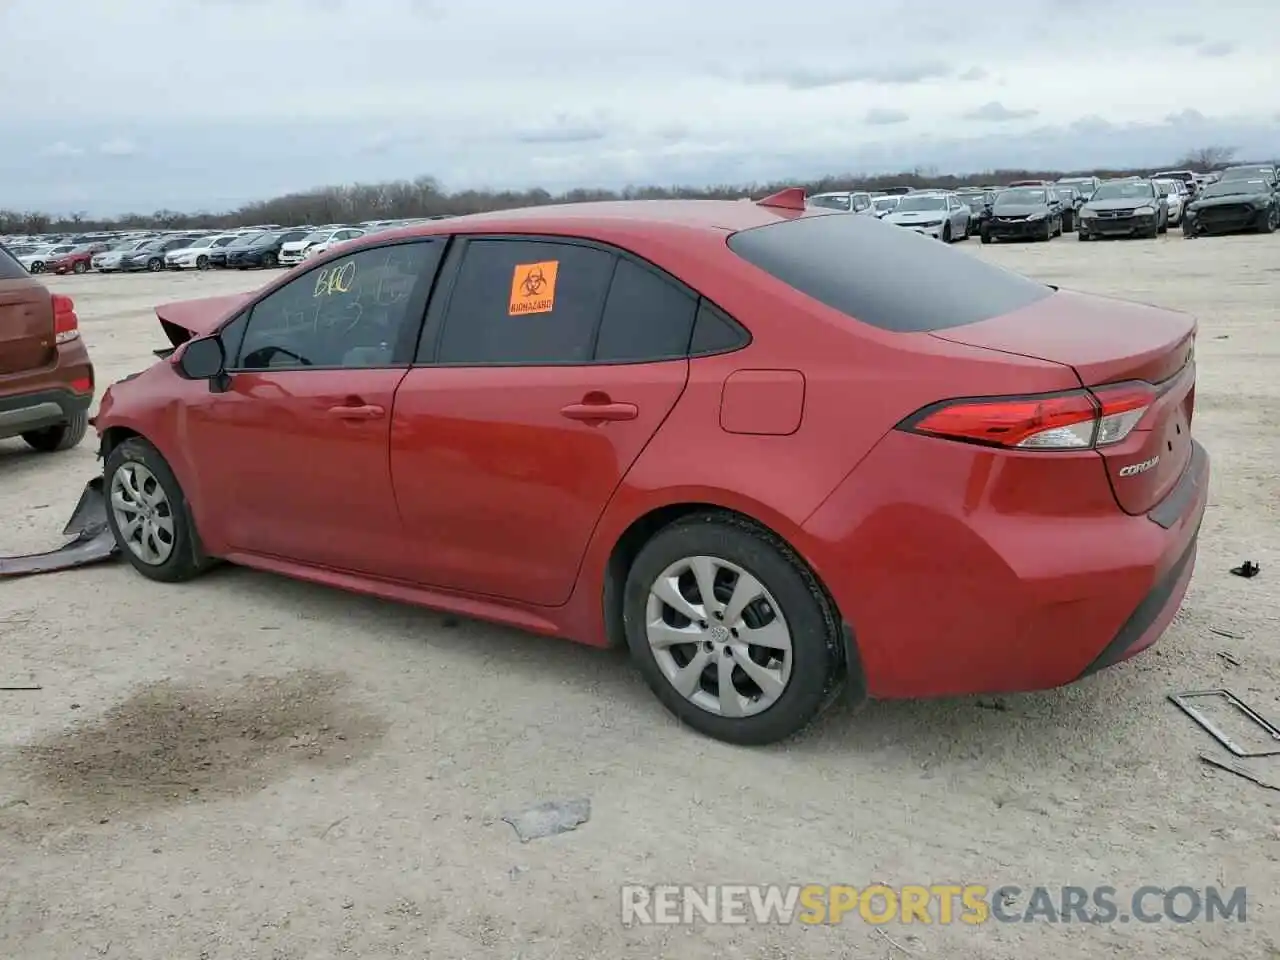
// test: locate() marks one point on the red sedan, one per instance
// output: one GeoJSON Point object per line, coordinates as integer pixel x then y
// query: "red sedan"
{"type": "Point", "coordinates": [776, 452]}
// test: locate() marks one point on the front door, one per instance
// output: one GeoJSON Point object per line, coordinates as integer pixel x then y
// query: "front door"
{"type": "Point", "coordinates": [294, 452]}
{"type": "Point", "coordinates": [543, 380]}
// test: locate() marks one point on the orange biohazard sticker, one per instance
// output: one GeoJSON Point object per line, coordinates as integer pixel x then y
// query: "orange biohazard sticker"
{"type": "Point", "coordinates": [533, 288]}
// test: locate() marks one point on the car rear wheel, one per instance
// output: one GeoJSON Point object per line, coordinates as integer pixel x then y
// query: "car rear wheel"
{"type": "Point", "coordinates": [62, 437]}
{"type": "Point", "coordinates": [149, 516]}
{"type": "Point", "coordinates": [37, 267]}
{"type": "Point", "coordinates": [155, 264]}
{"type": "Point", "coordinates": [269, 260]}
{"type": "Point", "coordinates": [730, 630]}
{"type": "Point", "coordinates": [202, 263]}
{"type": "Point", "coordinates": [80, 267]}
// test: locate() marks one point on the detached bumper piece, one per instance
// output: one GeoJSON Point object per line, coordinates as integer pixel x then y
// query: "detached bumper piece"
{"type": "Point", "coordinates": [1229, 218]}
{"type": "Point", "coordinates": [92, 540]}
{"type": "Point", "coordinates": [1002, 229]}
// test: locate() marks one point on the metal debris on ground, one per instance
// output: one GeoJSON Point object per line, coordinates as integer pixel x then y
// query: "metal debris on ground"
{"type": "Point", "coordinates": [21, 687]}
{"type": "Point", "coordinates": [1240, 770]}
{"type": "Point", "coordinates": [548, 819]}
{"type": "Point", "coordinates": [93, 541]}
{"type": "Point", "coordinates": [1240, 708]}
{"type": "Point", "coordinates": [1248, 570]}
{"type": "Point", "coordinates": [1225, 633]}
{"type": "Point", "coordinates": [1228, 658]}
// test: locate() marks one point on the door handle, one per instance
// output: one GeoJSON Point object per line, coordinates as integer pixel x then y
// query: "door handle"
{"type": "Point", "coordinates": [363, 411]}
{"type": "Point", "coordinates": [597, 412]}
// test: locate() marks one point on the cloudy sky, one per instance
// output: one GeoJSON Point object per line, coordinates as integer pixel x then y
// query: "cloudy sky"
{"type": "Point", "coordinates": [122, 105]}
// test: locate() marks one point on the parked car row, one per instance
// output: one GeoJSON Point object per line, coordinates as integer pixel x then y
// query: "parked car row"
{"type": "Point", "coordinates": [264, 246]}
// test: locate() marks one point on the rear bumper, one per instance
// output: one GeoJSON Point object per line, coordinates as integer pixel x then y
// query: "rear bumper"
{"type": "Point", "coordinates": [35, 411]}
{"type": "Point", "coordinates": [957, 581]}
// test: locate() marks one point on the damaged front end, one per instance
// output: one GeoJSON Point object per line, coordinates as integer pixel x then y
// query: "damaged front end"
{"type": "Point", "coordinates": [92, 540]}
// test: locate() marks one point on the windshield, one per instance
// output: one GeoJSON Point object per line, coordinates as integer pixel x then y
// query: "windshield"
{"type": "Point", "coordinates": [1246, 173]}
{"type": "Point", "coordinates": [85, 248]}
{"type": "Point", "coordinates": [913, 204]}
{"type": "Point", "coordinates": [1020, 196]}
{"type": "Point", "coordinates": [1227, 188]}
{"type": "Point", "coordinates": [886, 203]}
{"type": "Point", "coordinates": [827, 203]}
{"type": "Point", "coordinates": [1125, 190]}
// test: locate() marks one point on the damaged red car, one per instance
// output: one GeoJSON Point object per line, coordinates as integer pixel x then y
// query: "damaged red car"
{"type": "Point", "coordinates": [778, 453]}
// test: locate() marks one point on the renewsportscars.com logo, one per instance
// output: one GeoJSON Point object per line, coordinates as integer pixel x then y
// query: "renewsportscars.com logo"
{"type": "Point", "coordinates": [943, 904]}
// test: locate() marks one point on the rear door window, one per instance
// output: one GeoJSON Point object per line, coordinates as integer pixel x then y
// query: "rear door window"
{"type": "Point", "coordinates": [525, 302]}
{"type": "Point", "coordinates": [646, 317]}
{"type": "Point", "coordinates": [883, 276]}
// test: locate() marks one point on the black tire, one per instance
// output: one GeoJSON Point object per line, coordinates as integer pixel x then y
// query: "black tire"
{"type": "Point", "coordinates": [1047, 235]}
{"type": "Point", "coordinates": [268, 261]}
{"type": "Point", "coordinates": [155, 264]}
{"type": "Point", "coordinates": [1081, 236]}
{"type": "Point", "coordinates": [80, 267]}
{"type": "Point", "coordinates": [1270, 222]}
{"type": "Point", "coordinates": [187, 559]}
{"type": "Point", "coordinates": [37, 267]}
{"type": "Point", "coordinates": [202, 262]}
{"type": "Point", "coordinates": [62, 437]}
{"type": "Point", "coordinates": [986, 237]}
{"type": "Point", "coordinates": [946, 233]}
{"type": "Point", "coordinates": [813, 625]}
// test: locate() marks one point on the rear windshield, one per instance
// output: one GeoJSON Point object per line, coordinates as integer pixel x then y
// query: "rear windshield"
{"type": "Point", "coordinates": [10, 269]}
{"type": "Point", "coordinates": [882, 275]}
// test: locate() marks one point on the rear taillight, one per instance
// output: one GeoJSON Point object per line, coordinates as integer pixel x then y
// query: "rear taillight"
{"type": "Point", "coordinates": [66, 325]}
{"type": "Point", "coordinates": [1075, 420]}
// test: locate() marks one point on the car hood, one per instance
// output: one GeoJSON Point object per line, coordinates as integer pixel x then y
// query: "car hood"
{"type": "Point", "coordinates": [1229, 199]}
{"type": "Point", "coordinates": [1019, 209]}
{"type": "Point", "coordinates": [916, 216]}
{"type": "Point", "coordinates": [298, 245]}
{"type": "Point", "coordinates": [185, 319]}
{"type": "Point", "coordinates": [1121, 203]}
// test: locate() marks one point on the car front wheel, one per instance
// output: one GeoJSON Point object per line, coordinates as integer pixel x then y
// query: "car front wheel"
{"type": "Point", "coordinates": [149, 516]}
{"type": "Point", "coordinates": [730, 630]}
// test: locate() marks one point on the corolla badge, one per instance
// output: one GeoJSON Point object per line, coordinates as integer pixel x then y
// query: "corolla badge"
{"type": "Point", "coordinates": [1133, 469]}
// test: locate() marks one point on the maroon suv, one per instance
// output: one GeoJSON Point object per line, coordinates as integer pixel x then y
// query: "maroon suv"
{"type": "Point", "coordinates": [46, 377]}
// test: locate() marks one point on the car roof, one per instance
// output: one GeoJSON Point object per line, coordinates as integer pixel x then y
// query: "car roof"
{"type": "Point", "coordinates": [611, 221]}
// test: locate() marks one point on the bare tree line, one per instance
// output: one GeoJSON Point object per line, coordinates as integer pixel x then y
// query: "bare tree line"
{"type": "Point", "coordinates": [425, 197]}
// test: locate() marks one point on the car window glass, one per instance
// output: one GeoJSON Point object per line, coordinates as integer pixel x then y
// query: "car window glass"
{"type": "Point", "coordinates": [347, 313]}
{"type": "Point", "coordinates": [525, 301]}
{"type": "Point", "coordinates": [715, 332]}
{"type": "Point", "coordinates": [10, 269]}
{"type": "Point", "coordinates": [646, 317]}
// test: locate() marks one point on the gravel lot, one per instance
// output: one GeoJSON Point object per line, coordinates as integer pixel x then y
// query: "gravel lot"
{"type": "Point", "coordinates": [246, 767]}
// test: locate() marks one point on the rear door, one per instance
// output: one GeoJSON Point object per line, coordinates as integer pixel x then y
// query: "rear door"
{"type": "Point", "coordinates": [26, 320]}
{"type": "Point", "coordinates": [546, 368]}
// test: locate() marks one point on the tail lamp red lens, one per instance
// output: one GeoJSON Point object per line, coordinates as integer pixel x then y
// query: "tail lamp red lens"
{"type": "Point", "coordinates": [1076, 420]}
{"type": "Point", "coordinates": [66, 325]}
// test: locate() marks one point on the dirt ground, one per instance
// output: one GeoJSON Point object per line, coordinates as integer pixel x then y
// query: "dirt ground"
{"type": "Point", "coordinates": [247, 767]}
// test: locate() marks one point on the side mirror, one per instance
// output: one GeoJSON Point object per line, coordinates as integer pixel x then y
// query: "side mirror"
{"type": "Point", "coordinates": [203, 359]}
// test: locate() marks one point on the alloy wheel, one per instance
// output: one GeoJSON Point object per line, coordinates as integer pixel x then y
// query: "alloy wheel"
{"type": "Point", "coordinates": [718, 636]}
{"type": "Point", "coordinates": [143, 513]}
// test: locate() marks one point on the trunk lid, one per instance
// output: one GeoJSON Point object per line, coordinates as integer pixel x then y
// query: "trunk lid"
{"type": "Point", "coordinates": [26, 326]}
{"type": "Point", "coordinates": [1108, 341]}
